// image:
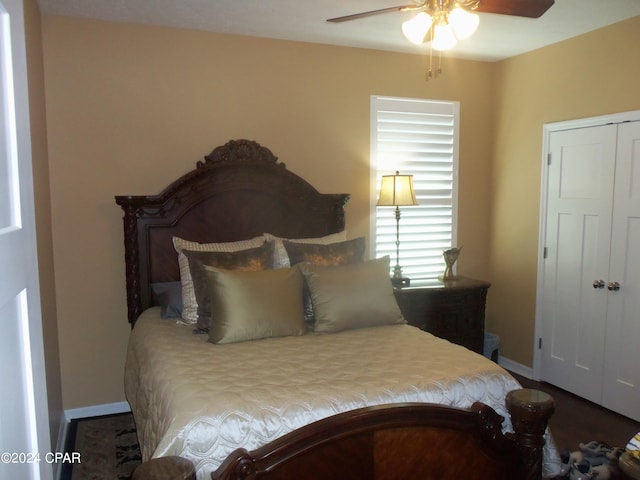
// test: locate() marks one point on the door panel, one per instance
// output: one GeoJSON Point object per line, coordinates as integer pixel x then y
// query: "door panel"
{"type": "Point", "coordinates": [15, 428]}
{"type": "Point", "coordinates": [578, 226]}
{"type": "Point", "coordinates": [24, 425]}
{"type": "Point", "coordinates": [621, 385]}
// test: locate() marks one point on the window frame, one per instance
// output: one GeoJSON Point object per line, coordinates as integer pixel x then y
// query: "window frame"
{"type": "Point", "coordinates": [412, 105]}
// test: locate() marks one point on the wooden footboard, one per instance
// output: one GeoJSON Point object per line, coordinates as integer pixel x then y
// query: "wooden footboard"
{"type": "Point", "coordinates": [406, 441]}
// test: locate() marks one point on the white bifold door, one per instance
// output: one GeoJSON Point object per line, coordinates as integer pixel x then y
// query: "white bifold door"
{"type": "Point", "coordinates": [590, 304]}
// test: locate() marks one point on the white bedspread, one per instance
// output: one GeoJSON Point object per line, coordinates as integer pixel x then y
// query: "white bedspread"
{"type": "Point", "coordinates": [201, 401]}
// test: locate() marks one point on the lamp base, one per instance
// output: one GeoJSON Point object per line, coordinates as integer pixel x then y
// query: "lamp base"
{"type": "Point", "coordinates": [449, 278]}
{"type": "Point", "coordinates": [400, 282]}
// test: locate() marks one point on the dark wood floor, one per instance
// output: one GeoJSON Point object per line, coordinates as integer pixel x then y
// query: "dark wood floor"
{"type": "Point", "coordinates": [577, 420]}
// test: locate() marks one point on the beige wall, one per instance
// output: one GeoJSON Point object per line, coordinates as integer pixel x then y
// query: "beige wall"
{"type": "Point", "coordinates": [37, 116]}
{"type": "Point", "coordinates": [129, 108]}
{"type": "Point", "coordinates": [591, 75]}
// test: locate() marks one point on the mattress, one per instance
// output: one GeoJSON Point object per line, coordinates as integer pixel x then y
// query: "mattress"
{"type": "Point", "coordinates": [201, 401]}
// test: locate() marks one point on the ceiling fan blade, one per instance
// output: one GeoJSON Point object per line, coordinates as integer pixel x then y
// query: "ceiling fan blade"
{"type": "Point", "coordinates": [398, 8]}
{"type": "Point", "coordinates": [518, 8]}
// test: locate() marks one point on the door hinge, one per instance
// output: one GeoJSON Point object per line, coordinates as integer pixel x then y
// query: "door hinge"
{"type": "Point", "coordinates": [544, 252]}
{"type": "Point", "coordinates": [548, 158]}
{"type": "Point", "coordinates": [540, 343]}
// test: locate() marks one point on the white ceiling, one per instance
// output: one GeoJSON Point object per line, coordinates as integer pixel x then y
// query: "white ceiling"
{"type": "Point", "coordinates": [497, 37]}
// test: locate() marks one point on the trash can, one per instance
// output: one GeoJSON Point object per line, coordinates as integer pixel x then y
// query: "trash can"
{"type": "Point", "coordinates": [491, 346]}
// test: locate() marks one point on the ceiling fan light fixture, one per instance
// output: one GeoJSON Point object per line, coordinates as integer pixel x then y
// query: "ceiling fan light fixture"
{"type": "Point", "coordinates": [464, 23]}
{"type": "Point", "coordinates": [443, 37]}
{"type": "Point", "coordinates": [416, 29]}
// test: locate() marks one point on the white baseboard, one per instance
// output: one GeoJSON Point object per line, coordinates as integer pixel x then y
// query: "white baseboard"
{"type": "Point", "coordinates": [515, 367]}
{"type": "Point", "coordinates": [97, 410]}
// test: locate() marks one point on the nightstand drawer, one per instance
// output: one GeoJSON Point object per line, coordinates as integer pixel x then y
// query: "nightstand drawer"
{"type": "Point", "coordinates": [454, 311]}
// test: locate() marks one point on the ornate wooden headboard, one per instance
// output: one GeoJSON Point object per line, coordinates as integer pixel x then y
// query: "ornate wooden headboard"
{"type": "Point", "coordinates": [239, 191]}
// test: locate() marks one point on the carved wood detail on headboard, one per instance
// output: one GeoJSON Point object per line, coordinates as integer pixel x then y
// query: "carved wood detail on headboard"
{"type": "Point", "coordinates": [239, 191]}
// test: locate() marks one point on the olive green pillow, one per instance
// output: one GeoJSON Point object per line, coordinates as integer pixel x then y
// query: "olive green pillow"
{"type": "Point", "coordinates": [326, 255]}
{"type": "Point", "coordinates": [252, 305]}
{"type": "Point", "coordinates": [258, 258]}
{"type": "Point", "coordinates": [352, 296]}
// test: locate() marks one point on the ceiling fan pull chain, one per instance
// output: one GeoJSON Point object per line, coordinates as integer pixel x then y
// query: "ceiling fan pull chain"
{"type": "Point", "coordinates": [430, 72]}
{"type": "Point", "coordinates": [430, 75]}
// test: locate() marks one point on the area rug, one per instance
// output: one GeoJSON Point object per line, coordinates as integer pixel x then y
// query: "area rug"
{"type": "Point", "coordinates": [108, 448]}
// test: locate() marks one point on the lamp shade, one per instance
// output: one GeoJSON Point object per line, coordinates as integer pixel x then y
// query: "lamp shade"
{"type": "Point", "coordinates": [397, 190]}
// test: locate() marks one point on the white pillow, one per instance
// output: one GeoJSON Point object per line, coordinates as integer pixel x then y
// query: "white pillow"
{"type": "Point", "coordinates": [281, 259]}
{"type": "Point", "coordinates": [189, 303]}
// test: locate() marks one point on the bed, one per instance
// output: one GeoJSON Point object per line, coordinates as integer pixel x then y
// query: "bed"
{"type": "Point", "coordinates": [292, 326]}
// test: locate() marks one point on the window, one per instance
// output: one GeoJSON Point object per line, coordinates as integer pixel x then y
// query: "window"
{"type": "Point", "coordinates": [418, 137]}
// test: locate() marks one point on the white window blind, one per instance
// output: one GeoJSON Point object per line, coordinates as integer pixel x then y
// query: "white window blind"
{"type": "Point", "coordinates": [417, 137]}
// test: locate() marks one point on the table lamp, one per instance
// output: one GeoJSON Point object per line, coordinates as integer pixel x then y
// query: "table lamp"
{"type": "Point", "coordinates": [397, 191]}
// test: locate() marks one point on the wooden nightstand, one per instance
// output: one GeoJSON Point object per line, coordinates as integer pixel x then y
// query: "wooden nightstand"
{"type": "Point", "coordinates": [453, 310]}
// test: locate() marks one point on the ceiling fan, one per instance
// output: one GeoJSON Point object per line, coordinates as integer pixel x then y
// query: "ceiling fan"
{"type": "Point", "coordinates": [518, 8]}
{"type": "Point", "coordinates": [444, 22]}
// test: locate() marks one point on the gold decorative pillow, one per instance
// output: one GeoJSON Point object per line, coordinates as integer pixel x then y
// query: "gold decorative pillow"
{"type": "Point", "coordinates": [352, 296]}
{"type": "Point", "coordinates": [252, 259]}
{"type": "Point", "coordinates": [326, 255]}
{"type": "Point", "coordinates": [281, 257]}
{"type": "Point", "coordinates": [252, 305]}
{"type": "Point", "coordinates": [189, 302]}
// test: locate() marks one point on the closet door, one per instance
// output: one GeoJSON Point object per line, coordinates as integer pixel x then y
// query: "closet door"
{"type": "Point", "coordinates": [621, 383]}
{"type": "Point", "coordinates": [578, 229]}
